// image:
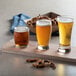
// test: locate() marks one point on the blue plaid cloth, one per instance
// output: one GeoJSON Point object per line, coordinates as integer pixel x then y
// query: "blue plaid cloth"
{"type": "Point", "coordinates": [18, 20]}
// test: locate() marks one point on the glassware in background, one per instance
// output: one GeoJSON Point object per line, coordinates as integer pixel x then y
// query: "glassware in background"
{"type": "Point", "coordinates": [65, 25]}
{"type": "Point", "coordinates": [43, 33]}
{"type": "Point", "coordinates": [21, 36]}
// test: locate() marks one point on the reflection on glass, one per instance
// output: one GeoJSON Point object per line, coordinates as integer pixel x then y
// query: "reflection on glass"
{"type": "Point", "coordinates": [65, 25]}
{"type": "Point", "coordinates": [43, 33]}
{"type": "Point", "coordinates": [60, 70]}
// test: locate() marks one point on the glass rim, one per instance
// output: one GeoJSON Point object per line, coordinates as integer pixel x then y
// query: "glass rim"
{"type": "Point", "coordinates": [43, 22]}
{"type": "Point", "coordinates": [21, 29]}
{"type": "Point", "coordinates": [64, 18]}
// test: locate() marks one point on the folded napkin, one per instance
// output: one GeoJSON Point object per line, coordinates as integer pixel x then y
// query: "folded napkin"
{"type": "Point", "coordinates": [18, 20]}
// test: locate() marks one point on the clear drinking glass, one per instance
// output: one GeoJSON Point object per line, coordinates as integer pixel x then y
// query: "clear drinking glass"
{"type": "Point", "coordinates": [65, 25]}
{"type": "Point", "coordinates": [21, 36]}
{"type": "Point", "coordinates": [43, 33]}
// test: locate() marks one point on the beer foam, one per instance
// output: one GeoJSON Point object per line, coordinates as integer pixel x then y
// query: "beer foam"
{"type": "Point", "coordinates": [43, 22]}
{"type": "Point", "coordinates": [64, 19]}
{"type": "Point", "coordinates": [21, 29]}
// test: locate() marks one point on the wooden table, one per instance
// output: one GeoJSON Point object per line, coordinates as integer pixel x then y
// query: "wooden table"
{"type": "Point", "coordinates": [12, 61]}
{"type": "Point", "coordinates": [31, 50]}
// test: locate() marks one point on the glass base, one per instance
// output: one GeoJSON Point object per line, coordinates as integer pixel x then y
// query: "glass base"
{"type": "Point", "coordinates": [64, 49]}
{"type": "Point", "coordinates": [21, 46]}
{"type": "Point", "coordinates": [43, 47]}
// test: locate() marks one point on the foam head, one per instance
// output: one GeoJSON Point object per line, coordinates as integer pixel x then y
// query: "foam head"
{"type": "Point", "coordinates": [43, 22]}
{"type": "Point", "coordinates": [64, 19]}
{"type": "Point", "coordinates": [21, 29]}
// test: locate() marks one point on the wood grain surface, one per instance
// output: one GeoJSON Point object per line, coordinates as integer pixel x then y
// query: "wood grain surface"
{"type": "Point", "coordinates": [31, 50]}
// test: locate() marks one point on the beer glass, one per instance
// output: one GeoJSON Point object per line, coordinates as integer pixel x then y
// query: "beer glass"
{"type": "Point", "coordinates": [21, 36]}
{"type": "Point", "coordinates": [43, 33]}
{"type": "Point", "coordinates": [65, 29]}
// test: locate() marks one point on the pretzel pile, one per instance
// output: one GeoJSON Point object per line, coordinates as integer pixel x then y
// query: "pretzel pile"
{"type": "Point", "coordinates": [32, 22]}
{"type": "Point", "coordinates": [41, 63]}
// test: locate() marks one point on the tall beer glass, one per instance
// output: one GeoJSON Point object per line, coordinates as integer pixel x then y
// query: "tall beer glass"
{"type": "Point", "coordinates": [43, 33]}
{"type": "Point", "coordinates": [65, 29]}
{"type": "Point", "coordinates": [21, 36]}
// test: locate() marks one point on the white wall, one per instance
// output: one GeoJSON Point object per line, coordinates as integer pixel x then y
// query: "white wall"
{"type": "Point", "coordinates": [34, 7]}
{"type": "Point", "coordinates": [9, 8]}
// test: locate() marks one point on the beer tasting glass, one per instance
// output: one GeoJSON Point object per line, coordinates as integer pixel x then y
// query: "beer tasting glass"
{"type": "Point", "coordinates": [65, 25]}
{"type": "Point", "coordinates": [43, 33]}
{"type": "Point", "coordinates": [21, 36]}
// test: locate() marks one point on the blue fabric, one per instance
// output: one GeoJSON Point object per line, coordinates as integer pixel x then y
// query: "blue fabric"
{"type": "Point", "coordinates": [18, 20]}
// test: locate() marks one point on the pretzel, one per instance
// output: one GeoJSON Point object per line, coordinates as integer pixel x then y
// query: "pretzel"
{"type": "Point", "coordinates": [41, 63]}
{"type": "Point", "coordinates": [32, 60]}
{"type": "Point", "coordinates": [32, 22]}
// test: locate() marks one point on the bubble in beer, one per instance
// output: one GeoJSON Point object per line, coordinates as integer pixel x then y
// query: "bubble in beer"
{"type": "Point", "coordinates": [43, 22]}
{"type": "Point", "coordinates": [21, 36]}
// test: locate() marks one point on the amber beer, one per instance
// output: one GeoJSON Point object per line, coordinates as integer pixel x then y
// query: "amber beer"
{"type": "Point", "coordinates": [65, 28]}
{"type": "Point", "coordinates": [43, 33]}
{"type": "Point", "coordinates": [21, 36]}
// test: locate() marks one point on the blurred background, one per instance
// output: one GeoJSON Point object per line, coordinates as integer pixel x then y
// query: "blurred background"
{"type": "Point", "coordinates": [9, 8]}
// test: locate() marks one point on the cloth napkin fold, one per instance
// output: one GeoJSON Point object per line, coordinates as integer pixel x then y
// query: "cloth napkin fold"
{"type": "Point", "coordinates": [18, 20]}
